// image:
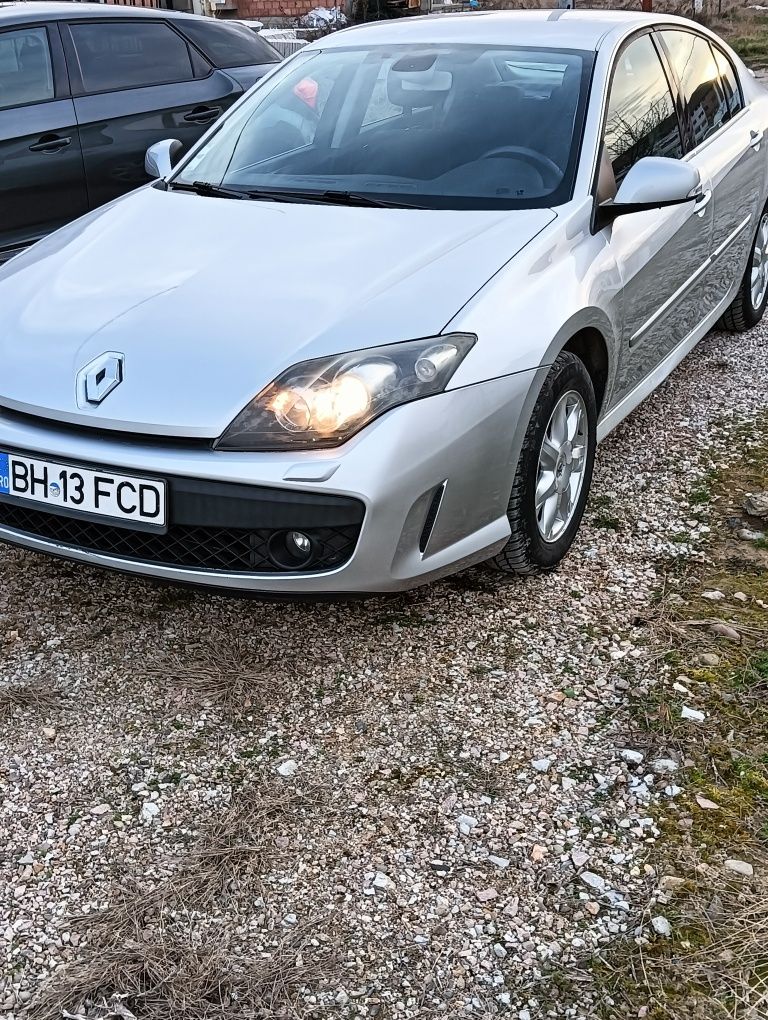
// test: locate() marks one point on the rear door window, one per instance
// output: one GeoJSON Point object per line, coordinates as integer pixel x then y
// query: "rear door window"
{"type": "Point", "coordinates": [26, 74]}
{"type": "Point", "coordinates": [641, 118]}
{"type": "Point", "coordinates": [123, 55]}
{"type": "Point", "coordinates": [694, 64]}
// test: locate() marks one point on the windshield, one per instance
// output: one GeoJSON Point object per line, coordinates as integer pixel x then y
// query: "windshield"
{"type": "Point", "coordinates": [445, 127]}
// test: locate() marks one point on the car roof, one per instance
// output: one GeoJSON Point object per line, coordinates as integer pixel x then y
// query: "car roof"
{"type": "Point", "coordinates": [565, 29]}
{"type": "Point", "coordinates": [46, 10]}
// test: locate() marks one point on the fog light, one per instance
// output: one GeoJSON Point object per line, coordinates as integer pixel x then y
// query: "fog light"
{"type": "Point", "coordinates": [298, 543]}
{"type": "Point", "coordinates": [291, 550]}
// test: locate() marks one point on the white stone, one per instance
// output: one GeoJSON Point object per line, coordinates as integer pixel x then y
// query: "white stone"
{"type": "Point", "coordinates": [692, 713]}
{"type": "Point", "coordinates": [589, 878]}
{"type": "Point", "coordinates": [498, 862]}
{"type": "Point", "coordinates": [150, 810]}
{"type": "Point", "coordinates": [661, 926]}
{"type": "Point", "coordinates": [632, 757]}
{"type": "Point", "coordinates": [287, 768]}
{"type": "Point", "coordinates": [740, 868]}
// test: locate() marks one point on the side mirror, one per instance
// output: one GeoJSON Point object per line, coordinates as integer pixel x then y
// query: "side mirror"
{"type": "Point", "coordinates": [653, 183]}
{"type": "Point", "coordinates": [158, 161]}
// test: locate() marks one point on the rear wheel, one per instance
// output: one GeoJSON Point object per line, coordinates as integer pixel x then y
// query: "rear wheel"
{"type": "Point", "coordinates": [747, 308]}
{"type": "Point", "coordinates": [554, 472]}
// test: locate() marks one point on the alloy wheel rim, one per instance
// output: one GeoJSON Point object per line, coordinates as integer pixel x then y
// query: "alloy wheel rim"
{"type": "Point", "coordinates": [759, 274]}
{"type": "Point", "coordinates": [562, 462]}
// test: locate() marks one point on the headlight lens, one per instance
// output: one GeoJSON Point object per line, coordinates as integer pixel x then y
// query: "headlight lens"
{"type": "Point", "coordinates": [320, 404]}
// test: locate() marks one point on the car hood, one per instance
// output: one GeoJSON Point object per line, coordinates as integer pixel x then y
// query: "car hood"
{"type": "Point", "coordinates": [208, 299]}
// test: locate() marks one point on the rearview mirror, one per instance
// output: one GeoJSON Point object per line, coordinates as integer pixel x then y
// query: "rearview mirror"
{"type": "Point", "coordinates": [653, 183]}
{"type": "Point", "coordinates": [158, 161]}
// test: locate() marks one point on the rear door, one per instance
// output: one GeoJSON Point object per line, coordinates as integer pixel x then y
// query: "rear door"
{"type": "Point", "coordinates": [136, 82]}
{"type": "Point", "coordinates": [42, 184]}
{"type": "Point", "coordinates": [726, 143]}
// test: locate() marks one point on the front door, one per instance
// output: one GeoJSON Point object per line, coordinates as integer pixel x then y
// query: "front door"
{"type": "Point", "coordinates": [662, 255]}
{"type": "Point", "coordinates": [42, 183]}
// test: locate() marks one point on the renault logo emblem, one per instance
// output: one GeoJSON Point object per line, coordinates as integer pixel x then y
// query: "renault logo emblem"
{"type": "Point", "coordinates": [99, 377]}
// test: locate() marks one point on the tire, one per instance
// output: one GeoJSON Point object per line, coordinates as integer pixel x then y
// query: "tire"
{"type": "Point", "coordinates": [528, 551]}
{"type": "Point", "coordinates": [745, 311]}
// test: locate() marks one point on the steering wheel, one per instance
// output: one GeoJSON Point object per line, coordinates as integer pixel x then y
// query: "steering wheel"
{"type": "Point", "coordinates": [547, 167]}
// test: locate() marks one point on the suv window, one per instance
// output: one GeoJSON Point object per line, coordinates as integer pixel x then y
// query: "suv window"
{"type": "Point", "coordinates": [229, 45]}
{"type": "Point", "coordinates": [694, 65]}
{"type": "Point", "coordinates": [641, 117]}
{"type": "Point", "coordinates": [729, 83]}
{"type": "Point", "coordinates": [26, 75]}
{"type": "Point", "coordinates": [123, 55]}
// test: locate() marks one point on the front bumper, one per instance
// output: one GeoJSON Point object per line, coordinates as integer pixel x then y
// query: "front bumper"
{"type": "Point", "coordinates": [418, 494]}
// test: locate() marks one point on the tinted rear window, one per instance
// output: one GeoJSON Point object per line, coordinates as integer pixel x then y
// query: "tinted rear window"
{"type": "Point", "coordinates": [122, 55]}
{"type": "Point", "coordinates": [229, 45]}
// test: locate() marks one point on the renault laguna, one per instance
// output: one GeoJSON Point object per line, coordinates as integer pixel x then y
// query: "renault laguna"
{"type": "Point", "coordinates": [371, 328]}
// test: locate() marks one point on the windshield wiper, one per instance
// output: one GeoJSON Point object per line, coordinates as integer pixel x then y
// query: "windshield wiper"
{"type": "Point", "coordinates": [207, 189]}
{"type": "Point", "coordinates": [277, 195]}
{"type": "Point", "coordinates": [328, 198]}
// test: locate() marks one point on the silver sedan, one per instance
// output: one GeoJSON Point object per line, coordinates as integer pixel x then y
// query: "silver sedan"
{"type": "Point", "coordinates": [371, 329]}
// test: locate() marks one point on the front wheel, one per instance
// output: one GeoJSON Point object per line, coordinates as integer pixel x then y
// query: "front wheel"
{"type": "Point", "coordinates": [747, 308]}
{"type": "Point", "coordinates": [554, 472]}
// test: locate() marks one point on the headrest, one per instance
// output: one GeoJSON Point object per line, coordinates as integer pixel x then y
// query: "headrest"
{"type": "Point", "coordinates": [413, 88]}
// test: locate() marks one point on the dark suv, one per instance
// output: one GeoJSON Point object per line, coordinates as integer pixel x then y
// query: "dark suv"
{"type": "Point", "coordinates": [85, 89]}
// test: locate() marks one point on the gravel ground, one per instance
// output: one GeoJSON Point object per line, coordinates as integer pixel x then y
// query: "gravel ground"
{"type": "Point", "coordinates": [436, 794]}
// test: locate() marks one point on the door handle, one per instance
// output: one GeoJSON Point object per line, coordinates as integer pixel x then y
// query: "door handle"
{"type": "Point", "coordinates": [50, 143]}
{"type": "Point", "coordinates": [202, 115]}
{"type": "Point", "coordinates": [703, 198]}
{"type": "Point", "coordinates": [755, 139]}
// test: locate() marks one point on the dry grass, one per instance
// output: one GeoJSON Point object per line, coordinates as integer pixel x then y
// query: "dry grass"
{"type": "Point", "coordinates": [235, 674]}
{"type": "Point", "coordinates": [161, 953]}
{"type": "Point", "coordinates": [233, 853]}
{"type": "Point", "coordinates": [716, 966]}
{"type": "Point", "coordinates": [175, 978]}
{"type": "Point", "coordinates": [28, 696]}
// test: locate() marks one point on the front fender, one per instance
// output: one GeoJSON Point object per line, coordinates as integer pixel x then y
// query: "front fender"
{"type": "Point", "coordinates": [564, 281]}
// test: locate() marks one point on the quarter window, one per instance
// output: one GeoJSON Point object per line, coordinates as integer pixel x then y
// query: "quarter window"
{"type": "Point", "coordinates": [641, 117]}
{"type": "Point", "coordinates": [229, 45]}
{"type": "Point", "coordinates": [694, 64]}
{"type": "Point", "coordinates": [729, 83]}
{"type": "Point", "coordinates": [123, 55]}
{"type": "Point", "coordinates": [26, 75]}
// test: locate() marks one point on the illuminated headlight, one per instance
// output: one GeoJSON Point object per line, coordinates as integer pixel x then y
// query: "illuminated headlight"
{"type": "Point", "coordinates": [322, 403]}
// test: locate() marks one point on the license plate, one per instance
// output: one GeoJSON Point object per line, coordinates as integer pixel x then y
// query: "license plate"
{"type": "Point", "coordinates": [123, 498]}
